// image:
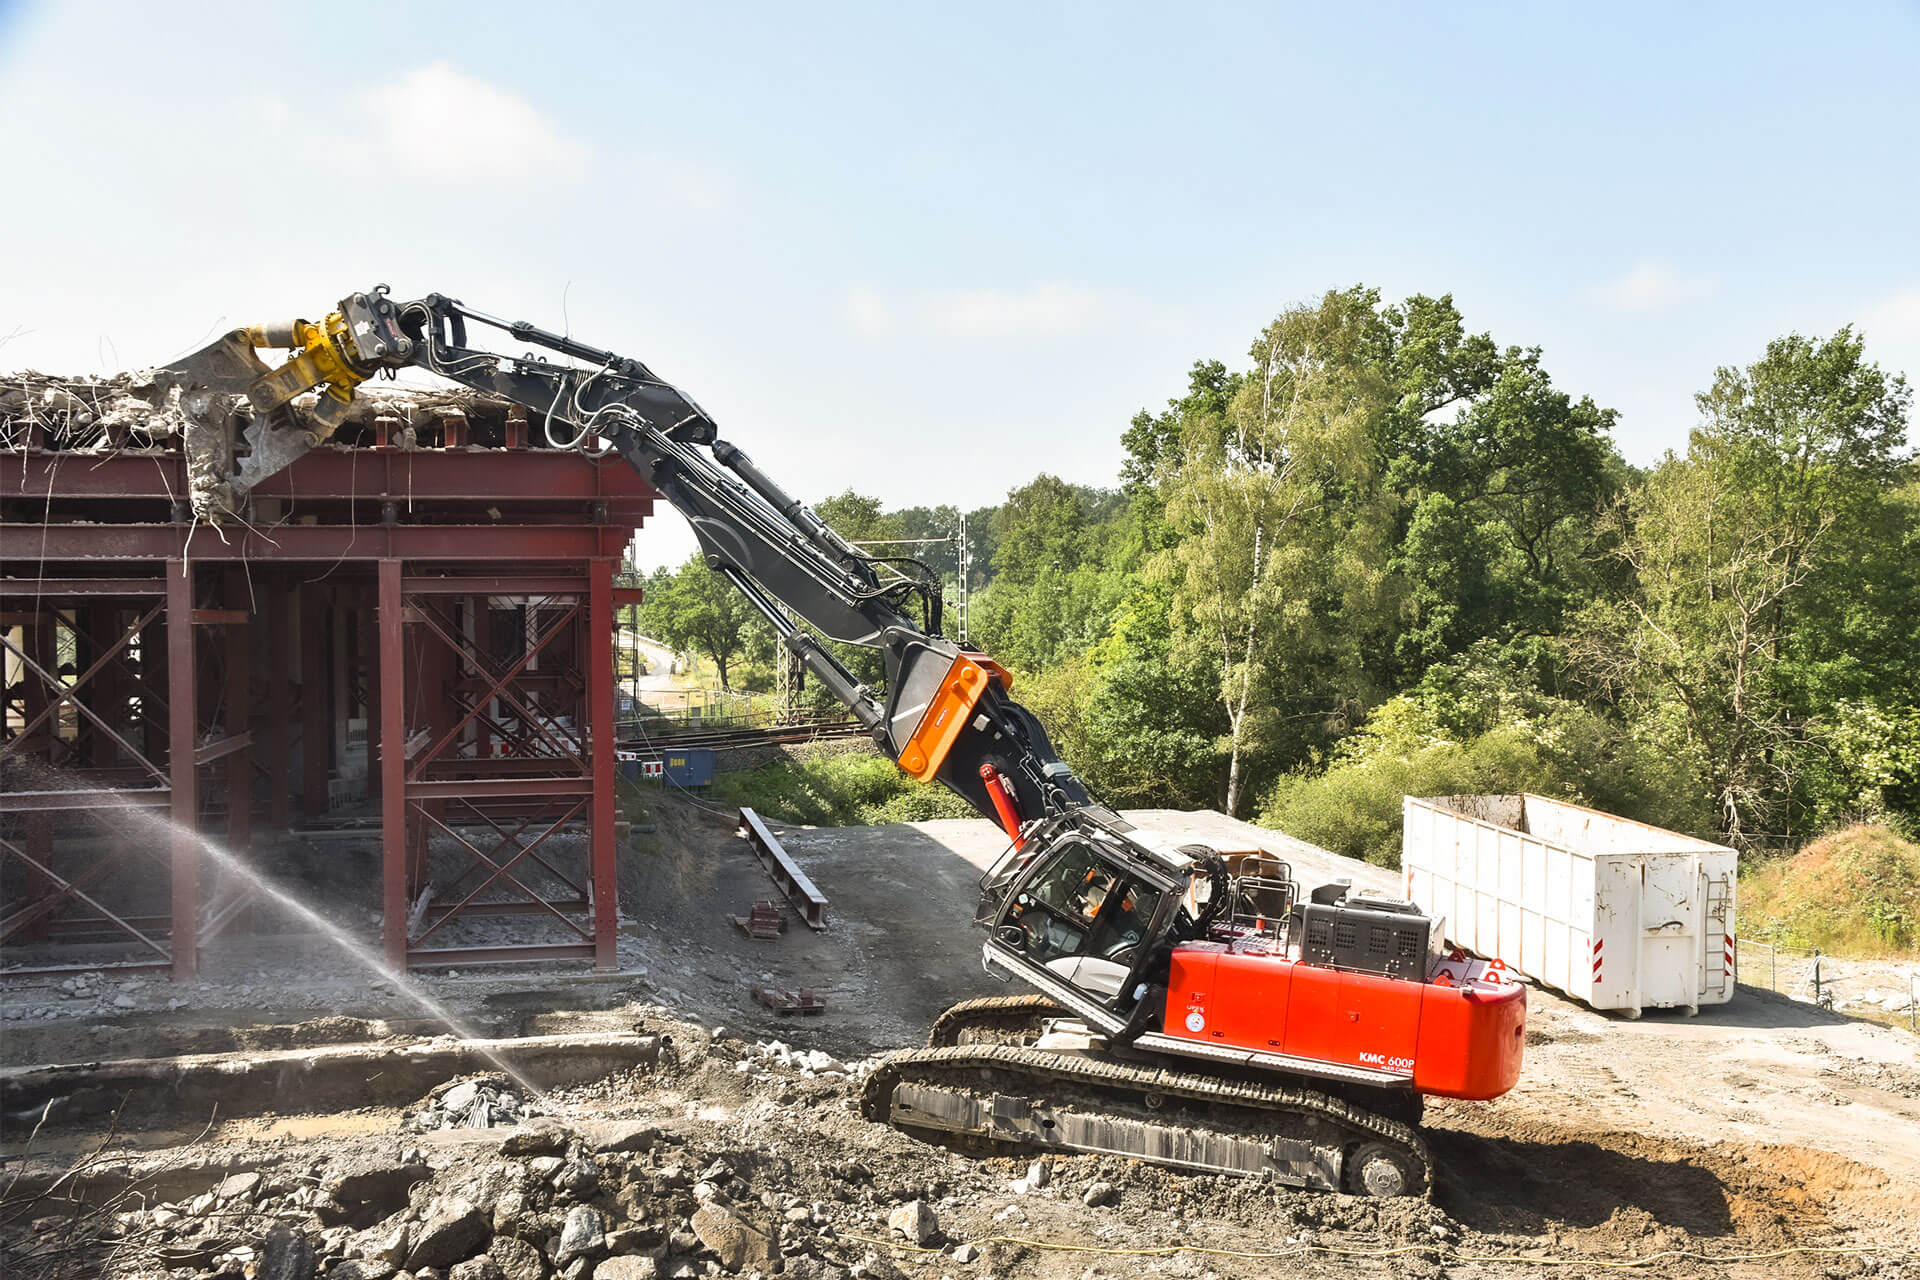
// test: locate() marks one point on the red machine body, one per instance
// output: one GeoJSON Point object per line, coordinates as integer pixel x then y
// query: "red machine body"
{"type": "Point", "coordinates": [1457, 1035]}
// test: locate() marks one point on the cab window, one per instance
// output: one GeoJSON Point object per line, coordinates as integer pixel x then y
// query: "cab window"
{"type": "Point", "coordinates": [1081, 905]}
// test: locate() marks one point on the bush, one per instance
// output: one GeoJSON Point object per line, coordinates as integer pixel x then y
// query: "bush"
{"type": "Point", "coordinates": [1478, 728]}
{"type": "Point", "coordinates": [1854, 892]}
{"type": "Point", "coordinates": [1354, 807]}
{"type": "Point", "coordinates": [838, 791]}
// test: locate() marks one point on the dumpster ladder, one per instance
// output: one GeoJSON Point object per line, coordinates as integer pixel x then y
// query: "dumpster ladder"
{"type": "Point", "coordinates": [1721, 965]}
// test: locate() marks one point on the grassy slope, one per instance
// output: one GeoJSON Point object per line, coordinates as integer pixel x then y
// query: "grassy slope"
{"type": "Point", "coordinates": [1854, 892]}
{"type": "Point", "coordinates": [837, 791]}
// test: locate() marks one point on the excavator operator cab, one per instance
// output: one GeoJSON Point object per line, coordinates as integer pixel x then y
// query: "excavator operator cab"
{"type": "Point", "coordinates": [1084, 915]}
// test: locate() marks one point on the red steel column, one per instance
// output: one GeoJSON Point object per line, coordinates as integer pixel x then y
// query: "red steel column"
{"type": "Point", "coordinates": [95, 637]}
{"type": "Point", "coordinates": [181, 701]}
{"type": "Point", "coordinates": [239, 719]}
{"type": "Point", "coordinates": [315, 720]}
{"type": "Point", "coordinates": [606, 867]}
{"type": "Point", "coordinates": [278, 726]}
{"type": "Point", "coordinates": [370, 656]}
{"type": "Point", "coordinates": [153, 675]}
{"type": "Point", "coordinates": [339, 679]}
{"type": "Point", "coordinates": [430, 665]}
{"type": "Point", "coordinates": [393, 768]}
{"type": "Point", "coordinates": [479, 630]}
{"type": "Point", "coordinates": [37, 639]}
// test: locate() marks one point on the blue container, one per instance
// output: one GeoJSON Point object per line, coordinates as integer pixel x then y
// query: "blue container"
{"type": "Point", "coordinates": [691, 767]}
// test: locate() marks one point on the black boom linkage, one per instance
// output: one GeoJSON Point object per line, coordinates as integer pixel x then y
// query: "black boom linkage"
{"type": "Point", "coordinates": [766, 542]}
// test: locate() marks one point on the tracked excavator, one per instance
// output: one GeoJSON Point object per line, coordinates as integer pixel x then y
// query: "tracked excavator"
{"type": "Point", "coordinates": [1183, 1008]}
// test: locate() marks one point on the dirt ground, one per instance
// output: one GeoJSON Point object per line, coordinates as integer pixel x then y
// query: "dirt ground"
{"type": "Point", "coordinates": [1762, 1138]}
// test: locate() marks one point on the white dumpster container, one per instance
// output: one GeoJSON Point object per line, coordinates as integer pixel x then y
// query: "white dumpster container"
{"type": "Point", "coordinates": [1616, 913]}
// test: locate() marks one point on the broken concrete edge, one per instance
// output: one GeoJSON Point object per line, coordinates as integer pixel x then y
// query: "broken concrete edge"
{"type": "Point", "coordinates": [240, 1084]}
{"type": "Point", "coordinates": [177, 1174]}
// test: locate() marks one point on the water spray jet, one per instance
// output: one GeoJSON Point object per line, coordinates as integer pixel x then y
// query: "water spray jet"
{"type": "Point", "coordinates": [352, 947]}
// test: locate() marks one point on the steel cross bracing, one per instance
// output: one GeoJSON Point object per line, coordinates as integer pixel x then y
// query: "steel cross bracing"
{"type": "Point", "coordinates": [71, 854]}
{"type": "Point", "coordinates": [514, 746]}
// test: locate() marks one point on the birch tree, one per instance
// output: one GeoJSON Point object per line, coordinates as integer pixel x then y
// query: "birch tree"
{"type": "Point", "coordinates": [1266, 499]}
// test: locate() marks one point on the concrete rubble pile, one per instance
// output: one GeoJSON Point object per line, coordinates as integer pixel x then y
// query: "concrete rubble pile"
{"type": "Point", "coordinates": [480, 1103]}
{"type": "Point", "coordinates": [129, 410]}
{"type": "Point", "coordinates": [141, 410]}
{"type": "Point", "coordinates": [745, 1158]}
{"type": "Point", "coordinates": [607, 1201]}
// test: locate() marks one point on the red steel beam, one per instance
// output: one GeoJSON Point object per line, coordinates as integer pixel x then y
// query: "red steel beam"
{"type": "Point", "coordinates": [221, 748]}
{"type": "Point", "coordinates": [20, 543]}
{"type": "Point", "coordinates": [606, 870]}
{"type": "Point", "coordinates": [465, 956]}
{"type": "Point", "coordinates": [485, 788]}
{"type": "Point", "coordinates": [43, 801]}
{"type": "Point", "coordinates": [437, 910]}
{"type": "Point", "coordinates": [490, 475]}
{"type": "Point", "coordinates": [495, 585]}
{"type": "Point", "coordinates": [17, 591]}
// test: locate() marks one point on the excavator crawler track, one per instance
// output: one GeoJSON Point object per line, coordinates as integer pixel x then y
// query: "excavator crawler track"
{"type": "Point", "coordinates": [992, 1020]}
{"type": "Point", "coordinates": [1020, 1098]}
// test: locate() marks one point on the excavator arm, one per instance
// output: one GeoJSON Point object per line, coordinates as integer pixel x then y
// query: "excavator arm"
{"type": "Point", "coordinates": [945, 714]}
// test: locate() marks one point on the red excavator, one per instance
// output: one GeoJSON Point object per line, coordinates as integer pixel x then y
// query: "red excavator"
{"type": "Point", "coordinates": [1188, 1009]}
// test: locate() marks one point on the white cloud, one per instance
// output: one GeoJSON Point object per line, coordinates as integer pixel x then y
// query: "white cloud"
{"type": "Point", "coordinates": [1051, 310]}
{"type": "Point", "coordinates": [1044, 311]}
{"type": "Point", "coordinates": [870, 314]}
{"type": "Point", "coordinates": [1651, 286]}
{"type": "Point", "coordinates": [1892, 331]}
{"type": "Point", "coordinates": [441, 124]}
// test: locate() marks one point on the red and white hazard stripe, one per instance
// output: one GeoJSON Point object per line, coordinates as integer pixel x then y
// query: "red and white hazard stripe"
{"type": "Point", "coordinates": [1732, 961]}
{"type": "Point", "coordinates": [1597, 957]}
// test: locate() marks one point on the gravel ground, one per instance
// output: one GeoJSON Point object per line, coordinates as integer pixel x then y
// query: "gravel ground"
{"type": "Point", "coordinates": [1759, 1127]}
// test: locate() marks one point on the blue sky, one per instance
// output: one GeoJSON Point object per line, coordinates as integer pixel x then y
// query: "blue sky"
{"type": "Point", "coordinates": [927, 252]}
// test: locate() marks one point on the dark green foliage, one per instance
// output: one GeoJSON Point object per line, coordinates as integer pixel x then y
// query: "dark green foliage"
{"type": "Point", "coordinates": [1389, 556]}
{"type": "Point", "coordinates": [1479, 724]}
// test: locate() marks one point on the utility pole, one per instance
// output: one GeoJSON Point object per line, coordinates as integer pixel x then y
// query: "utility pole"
{"type": "Point", "coordinates": [960, 593]}
{"type": "Point", "coordinates": [788, 676]}
{"type": "Point", "coordinates": [963, 554]}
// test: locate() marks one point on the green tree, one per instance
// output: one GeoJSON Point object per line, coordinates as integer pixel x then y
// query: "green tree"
{"type": "Point", "coordinates": [1271, 504]}
{"type": "Point", "coordinates": [697, 611]}
{"type": "Point", "coordinates": [1042, 529]}
{"type": "Point", "coordinates": [1792, 460]}
{"type": "Point", "coordinates": [1501, 536]}
{"type": "Point", "coordinates": [1053, 592]}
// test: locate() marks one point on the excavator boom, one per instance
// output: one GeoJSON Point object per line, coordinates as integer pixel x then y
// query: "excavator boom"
{"type": "Point", "coordinates": [945, 715]}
